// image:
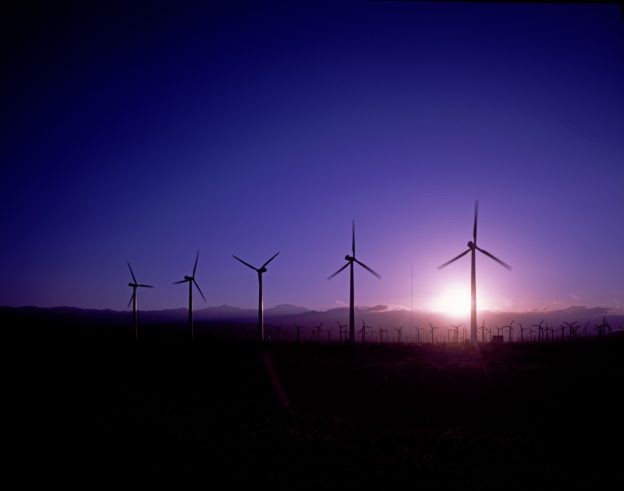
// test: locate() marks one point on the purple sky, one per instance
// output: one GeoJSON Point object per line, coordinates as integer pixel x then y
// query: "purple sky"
{"type": "Point", "coordinates": [144, 135]}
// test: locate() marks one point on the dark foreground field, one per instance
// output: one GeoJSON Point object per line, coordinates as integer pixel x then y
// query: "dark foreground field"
{"type": "Point", "coordinates": [310, 416]}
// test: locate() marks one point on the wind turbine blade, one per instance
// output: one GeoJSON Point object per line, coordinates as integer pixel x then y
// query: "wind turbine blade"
{"type": "Point", "coordinates": [476, 216]}
{"type": "Point", "coordinates": [178, 282]}
{"type": "Point", "coordinates": [131, 299]}
{"type": "Point", "coordinates": [367, 268]}
{"type": "Point", "coordinates": [273, 257]}
{"type": "Point", "coordinates": [245, 263]}
{"type": "Point", "coordinates": [146, 286]}
{"type": "Point", "coordinates": [338, 271]}
{"type": "Point", "coordinates": [199, 289]}
{"type": "Point", "coordinates": [195, 267]}
{"type": "Point", "coordinates": [454, 259]}
{"type": "Point", "coordinates": [132, 272]}
{"type": "Point", "coordinates": [502, 263]}
{"type": "Point", "coordinates": [353, 237]}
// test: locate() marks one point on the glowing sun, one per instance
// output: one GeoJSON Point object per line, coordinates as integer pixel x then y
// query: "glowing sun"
{"type": "Point", "coordinates": [455, 301]}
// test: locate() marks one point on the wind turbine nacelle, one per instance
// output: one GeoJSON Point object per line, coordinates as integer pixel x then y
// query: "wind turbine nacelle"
{"type": "Point", "coordinates": [131, 284]}
{"type": "Point", "coordinates": [188, 278]}
{"type": "Point", "coordinates": [262, 270]}
{"type": "Point", "coordinates": [349, 258]}
{"type": "Point", "coordinates": [471, 244]}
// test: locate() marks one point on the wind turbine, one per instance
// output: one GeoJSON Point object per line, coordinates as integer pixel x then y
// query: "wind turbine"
{"type": "Point", "coordinates": [568, 325]}
{"type": "Point", "coordinates": [399, 331]}
{"type": "Point", "coordinates": [540, 330]}
{"type": "Point", "coordinates": [318, 332]}
{"type": "Point", "coordinates": [522, 329]}
{"type": "Point", "coordinates": [350, 260]}
{"type": "Point", "coordinates": [602, 328]}
{"type": "Point", "coordinates": [261, 270]}
{"type": "Point", "coordinates": [511, 330]}
{"type": "Point", "coordinates": [549, 337]}
{"type": "Point", "coordinates": [418, 329]}
{"type": "Point", "coordinates": [455, 328]}
{"type": "Point", "coordinates": [191, 281]}
{"type": "Point", "coordinates": [342, 328]}
{"type": "Point", "coordinates": [133, 299]}
{"type": "Point", "coordinates": [473, 248]}
{"type": "Point", "coordinates": [433, 328]}
{"type": "Point", "coordinates": [483, 329]}
{"type": "Point", "coordinates": [298, 327]}
{"type": "Point", "coordinates": [363, 331]}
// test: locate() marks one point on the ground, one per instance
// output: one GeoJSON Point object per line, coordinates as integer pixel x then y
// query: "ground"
{"type": "Point", "coordinates": [315, 416]}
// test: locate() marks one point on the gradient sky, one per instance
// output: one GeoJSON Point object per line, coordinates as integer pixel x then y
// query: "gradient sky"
{"type": "Point", "coordinates": [144, 134]}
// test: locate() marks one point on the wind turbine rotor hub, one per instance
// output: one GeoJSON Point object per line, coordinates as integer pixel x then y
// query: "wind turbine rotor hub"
{"type": "Point", "coordinates": [262, 270]}
{"type": "Point", "coordinates": [471, 245]}
{"type": "Point", "coordinates": [349, 258]}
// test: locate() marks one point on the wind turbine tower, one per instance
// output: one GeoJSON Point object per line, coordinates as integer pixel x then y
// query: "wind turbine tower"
{"type": "Point", "coordinates": [261, 270]}
{"type": "Point", "coordinates": [350, 261]}
{"type": "Point", "coordinates": [191, 281]}
{"type": "Point", "coordinates": [472, 249]}
{"type": "Point", "coordinates": [133, 299]}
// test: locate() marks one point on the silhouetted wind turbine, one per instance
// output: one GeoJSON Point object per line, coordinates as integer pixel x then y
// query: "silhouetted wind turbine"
{"type": "Point", "coordinates": [350, 260]}
{"type": "Point", "coordinates": [602, 328]}
{"type": "Point", "coordinates": [342, 328]}
{"type": "Point", "coordinates": [511, 330]}
{"type": "Point", "coordinates": [455, 328]}
{"type": "Point", "coordinates": [540, 330]}
{"type": "Point", "coordinates": [399, 331]}
{"type": "Point", "coordinates": [548, 329]}
{"type": "Point", "coordinates": [570, 326]}
{"type": "Point", "coordinates": [318, 332]}
{"type": "Point", "coordinates": [191, 281]}
{"type": "Point", "coordinates": [483, 329]}
{"type": "Point", "coordinates": [418, 329]}
{"type": "Point", "coordinates": [261, 270]}
{"type": "Point", "coordinates": [473, 248]}
{"type": "Point", "coordinates": [363, 331]}
{"type": "Point", "coordinates": [433, 328]}
{"type": "Point", "coordinates": [133, 299]}
{"type": "Point", "coordinates": [298, 327]}
{"type": "Point", "coordinates": [522, 329]}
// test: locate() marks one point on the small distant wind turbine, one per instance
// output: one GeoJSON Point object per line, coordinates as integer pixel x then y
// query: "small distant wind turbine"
{"type": "Point", "coordinates": [483, 329]}
{"type": "Point", "coordinates": [418, 329]}
{"type": "Point", "coordinates": [540, 330]}
{"type": "Point", "coordinates": [133, 299]}
{"type": "Point", "coordinates": [570, 326]}
{"type": "Point", "coordinates": [473, 248]}
{"type": "Point", "coordinates": [455, 328]}
{"type": "Point", "coordinates": [350, 260]}
{"type": "Point", "coordinates": [522, 329]}
{"type": "Point", "coordinates": [261, 270]}
{"type": "Point", "coordinates": [318, 332]}
{"type": "Point", "coordinates": [602, 328]}
{"type": "Point", "coordinates": [399, 331]}
{"type": "Point", "coordinates": [298, 327]}
{"type": "Point", "coordinates": [585, 329]}
{"type": "Point", "coordinates": [574, 327]}
{"type": "Point", "coordinates": [191, 281]}
{"type": "Point", "coordinates": [511, 330]}
{"type": "Point", "coordinates": [381, 334]}
{"type": "Point", "coordinates": [342, 328]}
{"type": "Point", "coordinates": [433, 328]}
{"type": "Point", "coordinates": [363, 331]}
{"type": "Point", "coordinates": [549, 329]}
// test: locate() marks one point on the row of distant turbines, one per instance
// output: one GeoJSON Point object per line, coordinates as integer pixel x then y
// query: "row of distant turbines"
{"type": "Point", "coordinates": [455, 333]}
{"type": "Point", "coordinates": [351, 260]}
